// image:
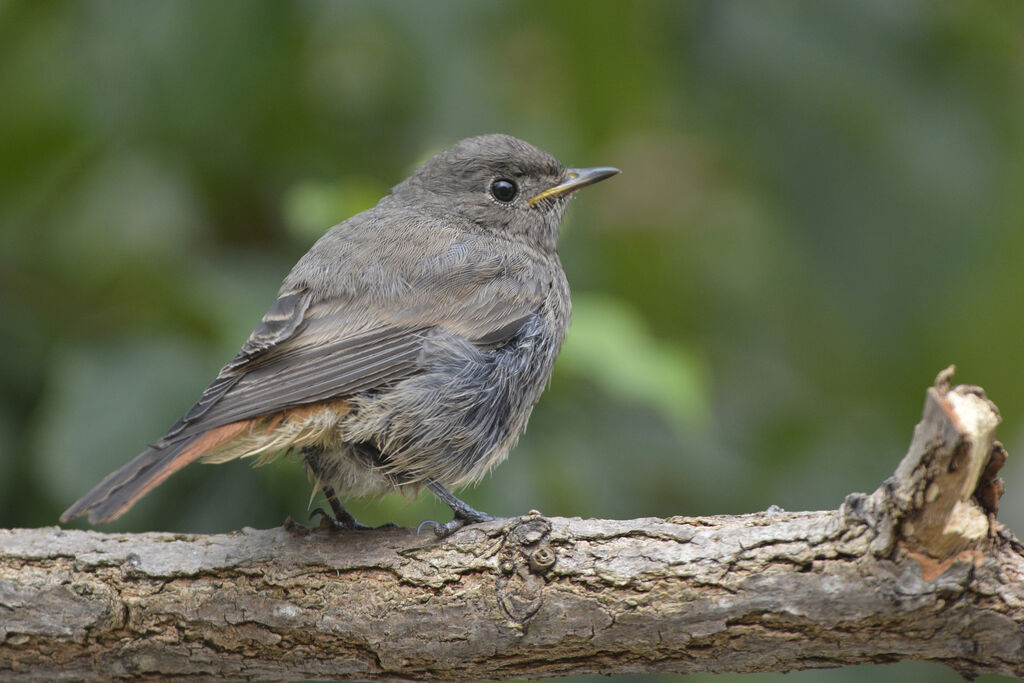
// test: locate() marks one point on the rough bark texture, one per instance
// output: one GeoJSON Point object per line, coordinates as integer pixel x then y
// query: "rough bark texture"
{"type": "Point", "coordinates": [917, 570]}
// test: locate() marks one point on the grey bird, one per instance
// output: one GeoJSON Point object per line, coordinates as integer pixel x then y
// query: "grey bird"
{"type": "Point", "coordinates": [406, 348]}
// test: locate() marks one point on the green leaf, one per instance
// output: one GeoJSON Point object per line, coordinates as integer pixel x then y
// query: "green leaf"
{"type": "Point", "coordinates": [610, 343]}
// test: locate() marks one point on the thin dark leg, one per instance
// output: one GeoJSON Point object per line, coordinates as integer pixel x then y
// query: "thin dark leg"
{"type": "Point", "coordinates": [340, 513]}
{"type": "Point", "coordinates": [342, 518]}
{"type": "Point", "coordinates": [464, 513]}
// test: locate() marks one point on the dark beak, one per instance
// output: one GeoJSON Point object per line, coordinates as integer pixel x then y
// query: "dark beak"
{"type": "Point", "coordinates": [575, 178]}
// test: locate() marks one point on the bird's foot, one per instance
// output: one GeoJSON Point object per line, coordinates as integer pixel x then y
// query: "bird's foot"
{"type": "Point", "coordinates": [456, 523]}
{"type": "Point", "coordinates": [463, 513]}
{"type": "Point", "coordinates": [342, 519]}
{"type": "Point", "coordinates": [344, 522]}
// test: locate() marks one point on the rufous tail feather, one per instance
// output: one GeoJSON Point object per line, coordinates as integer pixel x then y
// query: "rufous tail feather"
{"type": "Point", "coordinates": [113, 496]}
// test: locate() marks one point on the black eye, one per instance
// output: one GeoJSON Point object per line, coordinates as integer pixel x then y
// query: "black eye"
{"type": "Point", "coordinates": [504, 190]}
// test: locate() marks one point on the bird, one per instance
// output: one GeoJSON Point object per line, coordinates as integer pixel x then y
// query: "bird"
{"type": "Point", "coordinates": [405, 350]}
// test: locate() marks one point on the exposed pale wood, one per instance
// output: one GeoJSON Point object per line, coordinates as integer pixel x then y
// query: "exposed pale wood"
{"type": "Point", "coordinates": [913, 571]}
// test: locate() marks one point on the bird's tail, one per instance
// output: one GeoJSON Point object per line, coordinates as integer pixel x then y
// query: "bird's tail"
{"type": "Point", "coordinates": [113, 496]}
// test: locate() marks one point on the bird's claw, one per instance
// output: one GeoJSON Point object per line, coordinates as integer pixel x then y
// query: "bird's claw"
{"type": "Point", "coordinates": [331, 523]}
{"type": "Point", "coordinates": [464, 513]}
{"type": "Point", "coordinates": [456, 523]}
{"type": "Point", "coordinates": [441, 530]}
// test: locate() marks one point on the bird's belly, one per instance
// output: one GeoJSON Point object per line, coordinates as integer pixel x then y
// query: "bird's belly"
{"type": "Point", "coordinates": [459, 418]}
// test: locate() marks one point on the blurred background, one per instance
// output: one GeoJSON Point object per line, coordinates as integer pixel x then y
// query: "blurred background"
{"type": "Point", "coordinates": [820, 208]}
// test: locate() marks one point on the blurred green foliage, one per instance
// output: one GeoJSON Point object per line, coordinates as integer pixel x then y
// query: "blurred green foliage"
{"type": "Point", "coordinates": [820, 208]}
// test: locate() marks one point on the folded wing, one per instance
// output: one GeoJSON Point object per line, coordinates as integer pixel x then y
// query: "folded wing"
{"type": "Point", "coordinates": [300, 354]}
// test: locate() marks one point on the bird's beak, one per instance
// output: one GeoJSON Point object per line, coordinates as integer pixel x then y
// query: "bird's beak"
{"type": "Point", "coordinates": [575, 178]}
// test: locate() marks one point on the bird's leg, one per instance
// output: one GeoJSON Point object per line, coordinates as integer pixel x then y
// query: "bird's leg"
{"type": "Point", "coordinates": [464, 513]}
{"type": "Point", "coordinates": [342, 518]}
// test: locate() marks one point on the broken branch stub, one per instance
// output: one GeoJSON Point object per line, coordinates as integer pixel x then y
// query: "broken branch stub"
{"type": "Point", "coordinates": [945, 490]}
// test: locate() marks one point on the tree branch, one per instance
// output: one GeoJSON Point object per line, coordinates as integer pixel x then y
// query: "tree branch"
{"type": "Point", "coordinates": [917, 570]}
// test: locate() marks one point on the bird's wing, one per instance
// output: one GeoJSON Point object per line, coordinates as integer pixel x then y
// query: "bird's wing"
{"type": "Point", "coordinates": [302, 353]}
{"type": "Point", "coordinates": [287, 362]}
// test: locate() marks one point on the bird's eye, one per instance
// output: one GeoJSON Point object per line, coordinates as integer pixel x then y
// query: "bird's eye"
{"type": "Point", "coordinates": [504, 190]}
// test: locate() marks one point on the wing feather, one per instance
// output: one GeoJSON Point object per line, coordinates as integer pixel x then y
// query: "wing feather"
{"type": "Point", "coordinates": [320, 374]}
{"type": "Point", "coordinates": [309, 367]}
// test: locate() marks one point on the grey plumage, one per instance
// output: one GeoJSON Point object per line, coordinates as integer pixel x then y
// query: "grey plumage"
{"type": "Point", "coordinates": [407, 347]}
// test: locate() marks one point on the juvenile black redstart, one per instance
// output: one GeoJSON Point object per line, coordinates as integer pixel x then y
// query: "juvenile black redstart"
{"type": "Point", "coordinates": [406, 349]}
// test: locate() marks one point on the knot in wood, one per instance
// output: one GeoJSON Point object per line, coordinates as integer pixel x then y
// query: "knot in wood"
{"type": "Point", "coordinates": [523, 559]}
{"type": "Point", "coordinates": [542, 559]}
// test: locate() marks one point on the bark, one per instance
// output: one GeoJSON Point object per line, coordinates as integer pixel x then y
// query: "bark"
{"type": "Point", "coordinates": [917, 570]}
